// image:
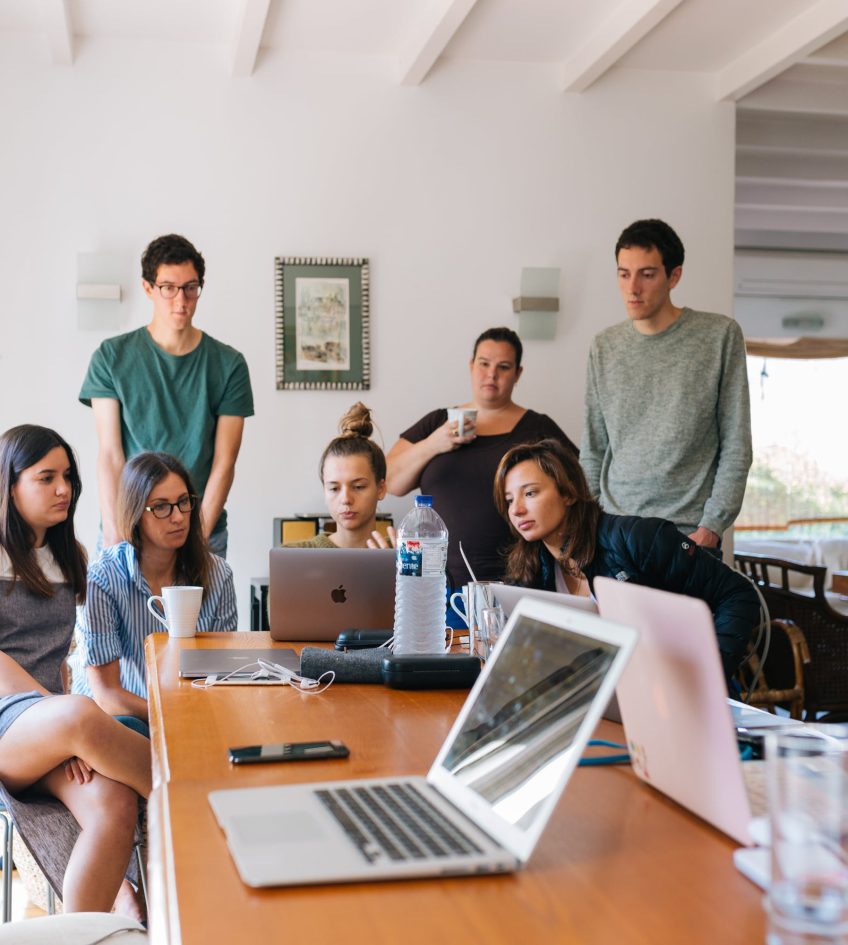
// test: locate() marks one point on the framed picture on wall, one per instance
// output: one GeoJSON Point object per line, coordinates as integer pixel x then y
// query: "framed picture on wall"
{"type": "Point", "coordinates": [322, 323]}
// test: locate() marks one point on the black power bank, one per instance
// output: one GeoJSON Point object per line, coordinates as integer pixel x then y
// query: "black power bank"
{"type": "Point", "coordinates": [362, 639]}
{"type": "Point", "coordinates": [439, 671]}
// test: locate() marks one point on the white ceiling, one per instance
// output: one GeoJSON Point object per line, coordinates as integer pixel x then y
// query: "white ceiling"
{"type": "Point", "coordinates": [784, 62]}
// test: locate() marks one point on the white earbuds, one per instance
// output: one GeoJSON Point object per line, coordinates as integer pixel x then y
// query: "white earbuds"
{"type": "Point", "coordinates": [268, 670]}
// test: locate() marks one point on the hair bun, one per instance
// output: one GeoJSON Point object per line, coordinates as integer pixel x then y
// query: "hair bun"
{"type": "Point", "coordinates": [357, 421]}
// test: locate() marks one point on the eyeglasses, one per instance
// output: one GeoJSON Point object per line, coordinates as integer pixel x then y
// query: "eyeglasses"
{"type": "Point", "coordinates": [163, 509]}
{"type": "Point", "coordinates": [191, 290]}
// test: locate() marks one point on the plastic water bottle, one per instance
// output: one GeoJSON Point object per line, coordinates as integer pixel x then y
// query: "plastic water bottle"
{"type": "Point", "coordinates": [422, 551]}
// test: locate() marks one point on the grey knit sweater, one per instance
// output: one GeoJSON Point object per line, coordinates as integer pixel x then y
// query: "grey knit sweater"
{"type": "Point", "coordinates": [667, 424]}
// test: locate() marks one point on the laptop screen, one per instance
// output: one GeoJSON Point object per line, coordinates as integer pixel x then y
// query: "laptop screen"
{"type": "Point", "coordinates": [517, 739]}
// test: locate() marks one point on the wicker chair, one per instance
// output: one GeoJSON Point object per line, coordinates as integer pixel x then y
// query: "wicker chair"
{"type": "Point", "coordinates": [825, 630]}
{"type": "Point", "coordinates": [780, 680]}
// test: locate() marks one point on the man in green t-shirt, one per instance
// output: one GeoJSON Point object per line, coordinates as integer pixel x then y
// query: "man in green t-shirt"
{"type": "Point", "coordinates": [170, 387]}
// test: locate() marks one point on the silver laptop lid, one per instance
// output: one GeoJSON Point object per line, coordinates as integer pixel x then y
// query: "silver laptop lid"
{"type": "Point", "coordinates": [196, 664]}
{"type": "Point", "coordinates": [526, 722]}
{"type": "Point", "coordinates": [315, 593]}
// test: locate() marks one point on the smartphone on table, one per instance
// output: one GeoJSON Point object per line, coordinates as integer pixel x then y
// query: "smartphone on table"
{"type": "Point", "coordinates": [291, 751]}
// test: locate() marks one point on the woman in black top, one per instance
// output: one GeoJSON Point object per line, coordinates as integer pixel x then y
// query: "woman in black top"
{"type": "Point", "coordinates": [564, 540]}
{"type": "Point", "coordinates": [456, 470]}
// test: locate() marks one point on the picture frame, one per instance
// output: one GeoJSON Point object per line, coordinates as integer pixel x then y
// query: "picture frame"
{"type": "Point", "coordinates": [322, 323]}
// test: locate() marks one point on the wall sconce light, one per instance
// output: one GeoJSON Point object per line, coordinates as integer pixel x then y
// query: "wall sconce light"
{"type": "Point", "coordinates": [99, 293]}
{"type": "Point", "coordinates": [538, 303]}
{"type": "Point", "coordinates": [97, 290]}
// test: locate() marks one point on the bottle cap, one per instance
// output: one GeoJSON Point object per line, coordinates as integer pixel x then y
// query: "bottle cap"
{"type": "Point", "coordinates": [424, 500]}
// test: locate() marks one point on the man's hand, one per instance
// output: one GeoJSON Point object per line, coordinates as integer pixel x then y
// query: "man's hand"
{"type": "Point", "coordinates": [110, 537]}
{"type": "Point", "coordinates": [704, 537]}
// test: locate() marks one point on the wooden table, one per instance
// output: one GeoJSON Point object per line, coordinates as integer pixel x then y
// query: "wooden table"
{"type": "Point", "coordinates": [619, 863]}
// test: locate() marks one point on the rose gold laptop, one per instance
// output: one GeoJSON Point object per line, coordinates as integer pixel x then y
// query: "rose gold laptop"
{"type": "Point", "coordinates": [674, 706]}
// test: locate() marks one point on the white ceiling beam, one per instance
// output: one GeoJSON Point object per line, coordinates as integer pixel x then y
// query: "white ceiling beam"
{"type": "Point", "coordinates": [249, 27]}
{"type": "Point", "coordinates": [808, 31]}
{"type": "Point", "coordinates": [629, 23]}
{"type": "Point", "coordinates": [430, 42]}
{"type": "Point", "coordinates": [56, 20]}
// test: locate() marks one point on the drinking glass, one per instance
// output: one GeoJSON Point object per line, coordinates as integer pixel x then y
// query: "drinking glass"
{"type": "Point", "coordinates": [490, 628]}
{"type": "Point", "coordinates": [807, 778]}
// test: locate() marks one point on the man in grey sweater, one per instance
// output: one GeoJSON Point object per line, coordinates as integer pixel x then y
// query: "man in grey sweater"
{"type": "Point", "coordinates": [667, 425]}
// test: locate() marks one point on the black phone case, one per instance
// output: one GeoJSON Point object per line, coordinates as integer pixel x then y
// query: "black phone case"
{"type": "Point", "coordinates": [341, 751]}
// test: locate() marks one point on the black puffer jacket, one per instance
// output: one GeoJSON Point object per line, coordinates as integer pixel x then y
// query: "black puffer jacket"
{"type": "Point", "coordinates": [653, 553]}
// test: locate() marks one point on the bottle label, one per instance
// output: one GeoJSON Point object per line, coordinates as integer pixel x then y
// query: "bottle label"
{"type": "Point", "coordinates": [410, 557]}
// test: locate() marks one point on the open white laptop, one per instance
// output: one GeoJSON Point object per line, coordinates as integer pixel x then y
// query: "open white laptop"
{"type": "Point", "coordinates": [679, 723]}
{"type": "Point", "coordinates": [490, 792]}
{"type": "Point", "coordinates": [508, 595]}
{"type": "Point", "coordinates": [315, 593]}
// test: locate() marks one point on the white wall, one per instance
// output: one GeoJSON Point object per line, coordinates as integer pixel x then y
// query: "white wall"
{"type": "Point", "coordinates": [450, 189]}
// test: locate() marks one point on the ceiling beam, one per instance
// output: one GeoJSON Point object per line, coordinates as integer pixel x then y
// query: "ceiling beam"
{"type": "Point", "coordinates": [808, 31]}
{"type": "Point", "coordinates": [56, 20]}
{"type": "Point", "coordinates": [430, 42]}
{"type": "Point", "coordinates": [249, 27]}
{"type": "Point", "coordinates": [629, 23]}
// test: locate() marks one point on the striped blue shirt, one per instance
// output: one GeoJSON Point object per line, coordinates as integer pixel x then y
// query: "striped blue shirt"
{"type": "Point", "coordinates": [114, 621]}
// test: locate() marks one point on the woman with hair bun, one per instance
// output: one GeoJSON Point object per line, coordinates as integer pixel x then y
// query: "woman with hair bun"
{"type": "Point", "coordinates": [353, 472]}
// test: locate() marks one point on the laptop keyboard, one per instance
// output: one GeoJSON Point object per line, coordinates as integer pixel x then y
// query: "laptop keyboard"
{"type": "Point", "coordinates": [395, 821]}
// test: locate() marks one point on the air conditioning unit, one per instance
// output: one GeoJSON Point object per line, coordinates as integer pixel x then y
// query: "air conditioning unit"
{"type": "Point", "coordinates": [780, 294]}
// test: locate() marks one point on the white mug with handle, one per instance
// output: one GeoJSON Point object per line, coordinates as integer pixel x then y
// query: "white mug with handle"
{"type": "Point", "coordinates": [475, 595]}
{"type": "Point", "coordinates": [182, 608]}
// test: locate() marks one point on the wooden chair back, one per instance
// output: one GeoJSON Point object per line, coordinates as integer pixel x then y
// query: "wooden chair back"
{"type": "Point", "coordinates": [825, 630]}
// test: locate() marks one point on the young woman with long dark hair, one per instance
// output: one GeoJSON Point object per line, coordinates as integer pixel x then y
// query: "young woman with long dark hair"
{"type": "Point", "coordinates": [50, 743]}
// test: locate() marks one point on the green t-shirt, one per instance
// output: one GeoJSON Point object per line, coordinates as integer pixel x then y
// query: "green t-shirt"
{"type": "Point", "coordinates": [171, 402]}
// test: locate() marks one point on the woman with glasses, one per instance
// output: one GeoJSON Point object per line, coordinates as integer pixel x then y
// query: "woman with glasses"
{"type": "Point", "coordinates": [50, 743]}
{"type": "Point", "coordinates": [162, 546]}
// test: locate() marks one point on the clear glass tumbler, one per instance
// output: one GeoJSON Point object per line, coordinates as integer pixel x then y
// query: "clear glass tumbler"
{"type": "Point", "coordinates": [807, 776]}
{"type": "Point", "coordinates": [491, 625]}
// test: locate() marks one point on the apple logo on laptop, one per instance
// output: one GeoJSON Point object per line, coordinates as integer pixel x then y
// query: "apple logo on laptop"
{"type": "Point", "coordinates": [339, 595]}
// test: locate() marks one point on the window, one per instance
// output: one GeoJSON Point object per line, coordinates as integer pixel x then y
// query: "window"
{"type": "Point", "coordinates": [798, 484]}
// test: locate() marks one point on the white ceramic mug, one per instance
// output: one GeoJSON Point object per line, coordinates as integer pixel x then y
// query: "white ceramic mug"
{"type": "Point", "coordinates": [475, 595]}
{"type": "Point", "coordinates": [182, 608]}
{"type": "Point", "coordinates": [465, 419]}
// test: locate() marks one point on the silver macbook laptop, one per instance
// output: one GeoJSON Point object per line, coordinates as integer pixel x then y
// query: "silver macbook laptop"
{"type": "Point", "coordinates": [198, 664]}
{"type": "Point", "coordinates": [490, 792]}
{"type": "Point", "coordinates": [508, 595]}
{"type": "Point", "coordinates": [315, 593]}
{"type": "Point", "coordinates": [673, 699]}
